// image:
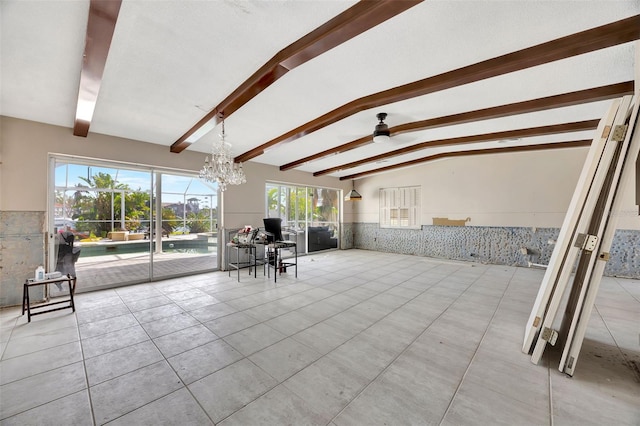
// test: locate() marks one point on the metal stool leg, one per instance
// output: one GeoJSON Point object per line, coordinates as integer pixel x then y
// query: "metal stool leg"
{"type": "Point", "coordinates": [228, 261]}
{"type": "Point", "coordinates": [275, 264]}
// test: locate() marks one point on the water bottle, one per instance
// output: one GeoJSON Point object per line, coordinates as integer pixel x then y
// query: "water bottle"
{"type": "Point", "coordinates": [39, 273]}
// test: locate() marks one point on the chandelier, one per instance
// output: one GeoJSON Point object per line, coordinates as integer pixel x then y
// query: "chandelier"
{"type": "Point", "coordinates": [222, 169]}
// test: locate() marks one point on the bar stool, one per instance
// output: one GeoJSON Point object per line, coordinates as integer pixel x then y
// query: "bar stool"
{"type": "Point", "coordinates": [273, 249]}
{"type": "Point", "coordinates": [250, 248]}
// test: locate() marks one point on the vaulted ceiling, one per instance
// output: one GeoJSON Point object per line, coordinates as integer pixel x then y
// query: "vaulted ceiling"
{"type": "Point", "coordinates": [300, 82]}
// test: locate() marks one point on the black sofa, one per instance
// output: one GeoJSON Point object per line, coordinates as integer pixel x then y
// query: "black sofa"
{"type": "Point", "coordinates": [321, 238]}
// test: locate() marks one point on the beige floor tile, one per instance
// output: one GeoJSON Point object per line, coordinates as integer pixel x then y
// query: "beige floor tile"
{"type": "Point", "coordinates": [406, 293]}
{"type": "Point", "coordinates": [119, 396]}
{"type": "Point", "coordinates": [322, 310]}
{"type": "Point", "coordinates": [197, 363]}
{"type": "Point", "coordinates": [230, 324]}
{"type": "Point", "coordinates": [197, 302]}
{"type": "Point", "coordinates": [183, 340]}
{"type": "Point", "coordinates": [43, 324]}
{"type": "Point", "coordinates": [385, 403]}
{"type": "Point", "coordinates": [603, 387]}
{"type": "Point", "coordinates": [73, 409]}
{"type": "Point", "coordinates": [268, 310]}
{"type": "Point", "coordinates": [101, 312]}
{"type": "Point", "coordinates": [18, 346]}
{"type": "Point", "coordinates": [360, 293]}
{"type": "Point", "coordinates": [177, 408]}
{"type": "Point", "coordinates": [122, 361]}
{"type": "Point", "coordinates": [475, 404]}
{"type": "Point", "coordinates": [231, 388]}
{"type": "Point", "coordinates": [141, 291]}
{"type": "Point", "coordinates": [252, 300]}
{"type": "Point", "coordinates": [42, 388]}
{"type": "Point", "coordinates": [96, 328]}
{"type": "Point", "coordinates": [513, 380]}
{"type": "Point", "coordinates": [113, 341]}
{"type": "Point", "coordinates": [177, 292]}
{"type": "Point", "coordinates": [323, 337]}
{"type": "Point", "coordinates": [253, 339]}
{"type": "Point", "coordinates": [33, 363]}
{"type": "Point", "coordinates": [154, 314]}
{"type": "Point", "coordinates": [169, 325]}
{"type": "Point", "coordinates": [136, 305]}
{"type": "Point", "coordinates": [279, 406]}
{"type": "Point", "coordinates": [364, 355]}
{"type": "Point", "coordinates": [390, 334]}
{"type": "Point", "coordinates": [285, 358]}
{"type": "Point", "coordinates": [350, 321]}
{"type": "Point", "coordinates": [212, 312]}
{"type": "Point", "coordinates": [290, 323]}
{"type": "Point", "coordinates": [235, 292]}
{"type": "Point", "coordinates": [444, 359]}
{"type": "Point", "coordinates": [326, 385]}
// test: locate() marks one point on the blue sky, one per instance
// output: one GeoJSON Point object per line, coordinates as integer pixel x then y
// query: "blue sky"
{"type": "Point", "coordinates": [173, 186]}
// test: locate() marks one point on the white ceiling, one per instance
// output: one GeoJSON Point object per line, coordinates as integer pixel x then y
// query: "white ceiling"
{"type": "Point", "coordinates": [172, 61]}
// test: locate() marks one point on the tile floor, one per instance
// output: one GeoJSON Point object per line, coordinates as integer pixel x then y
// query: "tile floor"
{"type": "Point", "coordinates": [99, 272]}
{"type": "Point", "coordinates": [359, 338]}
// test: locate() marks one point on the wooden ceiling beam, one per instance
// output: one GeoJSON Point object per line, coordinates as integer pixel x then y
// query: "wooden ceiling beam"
{"type": "Point", "coordinates": [623, 31]}
{"type": "Point", "coordinates": [523, 148]}
{"type": "Point", "coordinates": [550, 102]}
{"type": "Point", "coordinates": [103, 15]}
{"type": "Point", "coordinates": [359, 18]}
{"type": "Point", "coordinates": [509, 134]}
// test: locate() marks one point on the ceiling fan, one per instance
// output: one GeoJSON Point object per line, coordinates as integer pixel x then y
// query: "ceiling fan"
{"type": "Point", "coordinates": [381, 133]}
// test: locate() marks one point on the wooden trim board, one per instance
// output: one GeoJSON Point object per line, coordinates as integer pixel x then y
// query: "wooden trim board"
{"type": "Point", "coordinates": [589, 211]}
{"type": "Point", "coordinates": [580, 312]}
{"type": "Point", "coordinates": [567, 230]}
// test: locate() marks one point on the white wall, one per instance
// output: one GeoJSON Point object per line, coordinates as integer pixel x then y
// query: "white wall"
{"type": "Point", "coordinates": [25, 146]}
{"type": "Point", "coordinates": [531, 189]}
{"type": "Point", "coordinates": [25, 149]}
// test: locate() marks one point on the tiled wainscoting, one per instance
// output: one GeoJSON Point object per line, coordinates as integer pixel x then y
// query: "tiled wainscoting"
{"type": "Point", "coordinates": [22, 249]}
{"type": "Point", "coordinates": [492, 245]}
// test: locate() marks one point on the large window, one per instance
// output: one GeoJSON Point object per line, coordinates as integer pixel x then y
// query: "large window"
{"type": "Point", "coordinates": [400, 207]}
{"type": "Point", "coordinates": [312, 212]}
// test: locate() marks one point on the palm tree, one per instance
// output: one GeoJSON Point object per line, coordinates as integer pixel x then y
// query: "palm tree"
{"type": "Point", "coordinates": [329, 207]}
{"type": "Point", "coordinates": [93, 202]}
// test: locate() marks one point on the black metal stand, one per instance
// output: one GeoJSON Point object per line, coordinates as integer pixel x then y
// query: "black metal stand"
{"type": "Point", "coordinates": [26, 304]}
{"type": "Point", "coordinates": [252, 263]}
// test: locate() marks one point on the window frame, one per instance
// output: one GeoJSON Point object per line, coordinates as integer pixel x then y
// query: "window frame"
{"type": "Point", "coordinates": [400, 207]}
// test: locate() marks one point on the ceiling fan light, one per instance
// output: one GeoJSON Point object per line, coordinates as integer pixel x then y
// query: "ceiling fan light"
{"type": "Point", "coordinates": [381, 133]}
{"type": "Point", "coordinates": [381, 137]}
{"type": "Point", "coordinates": [353, 195]}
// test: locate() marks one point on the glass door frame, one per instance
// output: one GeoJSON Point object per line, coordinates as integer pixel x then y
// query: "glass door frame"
{"type": "Point", "coordinates": [283, 207]}
{"type": "Point", "coordinates": [154, 195]}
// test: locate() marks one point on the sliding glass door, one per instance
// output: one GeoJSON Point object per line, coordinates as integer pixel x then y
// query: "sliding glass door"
{"type": "Point", "coordinates": [312, 212]}
{"type": "Point", "coordinates": [186, 236]}
{"type": "Point", "coordinates": [125, 224]}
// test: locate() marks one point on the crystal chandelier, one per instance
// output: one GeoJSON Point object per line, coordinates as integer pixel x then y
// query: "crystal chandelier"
{"type": "Point", "coordinates": [221, 168]}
